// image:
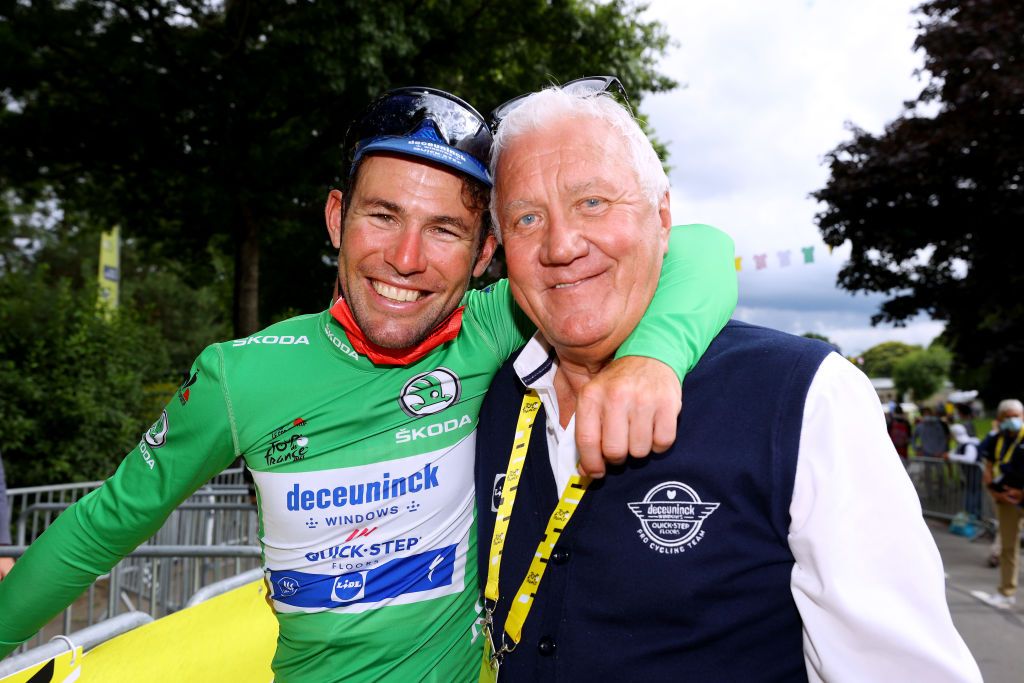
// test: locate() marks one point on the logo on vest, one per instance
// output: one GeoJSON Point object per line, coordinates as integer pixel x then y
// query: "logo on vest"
{"type": "Point", "coordinates": [496, 491]}
{"type": "Point", "coordinates": [671, 515]}
{"type": "Point", "coordinates": [430, 392]}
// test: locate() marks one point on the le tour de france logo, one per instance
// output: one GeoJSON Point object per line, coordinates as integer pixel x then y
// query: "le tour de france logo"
{"type": "Point", "coordinates": [671, 515]}
{"type": "Point", "coordinates": [430, 392]}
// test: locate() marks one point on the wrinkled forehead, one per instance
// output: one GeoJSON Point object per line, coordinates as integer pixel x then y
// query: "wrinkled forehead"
{"type": "Point", "coordinates": [571, 148]}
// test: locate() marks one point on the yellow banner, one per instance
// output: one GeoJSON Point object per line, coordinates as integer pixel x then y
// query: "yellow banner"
{"type": "Point", "coordinates": [64, 668]}
{"type": "Point", "coordinates": [231, 637]}
{"type": "Point", "coordinates": [110, 268]}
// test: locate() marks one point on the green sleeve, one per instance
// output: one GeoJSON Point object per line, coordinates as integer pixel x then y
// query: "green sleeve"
{"type": "Point", "coordinates": [191, 442]}
{"type": "Point", "coordinates": [502, 323]}
{"type": "Point", "coordinates": [695, 298]}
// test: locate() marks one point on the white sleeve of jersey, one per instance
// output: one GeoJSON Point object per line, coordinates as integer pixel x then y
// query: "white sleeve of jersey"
{"type": "Point", "coordinates": [868, 579]}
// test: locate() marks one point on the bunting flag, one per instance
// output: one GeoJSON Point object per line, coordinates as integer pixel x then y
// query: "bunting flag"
{"type": "Point", "coordinates": [785, 258]}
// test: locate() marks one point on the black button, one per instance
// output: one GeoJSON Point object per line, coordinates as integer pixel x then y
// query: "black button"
{"type": "Point", "coordinates": [546, 647]}
{"type": "Point", "coordinates": [560, 556]}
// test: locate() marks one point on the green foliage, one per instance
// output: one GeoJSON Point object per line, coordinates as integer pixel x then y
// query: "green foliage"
{"type": "Point", "coordinates": [79, 388]}
{"type": "Point", "coordinates": [72, 381]}
{"type": "Point", "coordinates": [921, 372]}
{"type": "Point", "coordinates": [933, 206]}
{"type": "Point", "coordinates": [202, 127]}
{"type": "Point", "coordinates": [880, 359]}
{"type": "Point", "coordinates": [211, 132]}
{"type": "Point", "coordinates": [178, 317]}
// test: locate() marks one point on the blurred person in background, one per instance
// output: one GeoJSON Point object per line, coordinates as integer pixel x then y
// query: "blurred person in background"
{"type": "Point", "coordinates": [965, 416]}
{"type": "Point", "coordinates": [1003, 452]}
{"type": "Point", "coordinates": [931, 436]}
{"type": "Point", "coordinates": [966, 453]}
{"type": "Point", "coordinates": [900, 431]}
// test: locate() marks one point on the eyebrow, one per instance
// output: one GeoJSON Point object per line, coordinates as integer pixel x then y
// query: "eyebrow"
{"type": "Point", "coordinates": [517, 204]}
{"type": "Point", "coordinates": [391, 206]}
{"type": "Point", "coordinates": [579, 188]}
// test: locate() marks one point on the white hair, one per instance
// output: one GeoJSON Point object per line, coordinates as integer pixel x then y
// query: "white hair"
{"type": "Point", "coordinates": [555, 104]}
{"type": "Point", "coordinates": [1009, 404]}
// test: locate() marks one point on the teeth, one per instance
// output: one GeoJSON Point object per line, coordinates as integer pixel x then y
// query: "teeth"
{"type": "Point", "coordinates": [568, 284]}
{"type": "Point", "coordinates": [395, 293]}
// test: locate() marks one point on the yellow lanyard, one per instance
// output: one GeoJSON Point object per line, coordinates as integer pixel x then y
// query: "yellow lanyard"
{"type": "Point", "coordinates": [559, 519]}
{"type": "Point", "coordinates": [1004, 457]}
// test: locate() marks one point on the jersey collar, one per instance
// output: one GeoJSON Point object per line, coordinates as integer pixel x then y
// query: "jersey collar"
{"type": "Point", "coordinates": [445, 331]}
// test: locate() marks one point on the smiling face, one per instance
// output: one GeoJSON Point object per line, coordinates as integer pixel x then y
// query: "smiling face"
{"type": "Point", "coordinates": [582, 241]}
{"type": "Point", "coordinates": [409, 244]}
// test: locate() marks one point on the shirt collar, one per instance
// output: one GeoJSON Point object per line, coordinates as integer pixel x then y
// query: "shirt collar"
{"type": "Point", "coordinates": [536, 363]}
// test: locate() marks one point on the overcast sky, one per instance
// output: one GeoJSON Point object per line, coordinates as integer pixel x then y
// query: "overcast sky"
{"type": "Point", "coordinates": [767, 90]}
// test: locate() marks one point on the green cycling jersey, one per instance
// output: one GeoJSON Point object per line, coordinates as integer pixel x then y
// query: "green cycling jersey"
{"type": "Point", "coordinates": [364, 477]}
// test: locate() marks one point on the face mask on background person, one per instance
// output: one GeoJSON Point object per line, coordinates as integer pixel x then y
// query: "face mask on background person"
{"type": "Point", "coordinates": [1011, 424]}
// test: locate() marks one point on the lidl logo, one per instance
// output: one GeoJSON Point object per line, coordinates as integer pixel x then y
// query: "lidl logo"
{"type": "Point", "coordinates": [430, 392]}
{"type": "Point", "coordinates": [349, 587]}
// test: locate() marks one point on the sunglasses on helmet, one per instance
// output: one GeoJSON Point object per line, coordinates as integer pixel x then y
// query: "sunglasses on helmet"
{"type": "Point", "coordinates": [426, 123]}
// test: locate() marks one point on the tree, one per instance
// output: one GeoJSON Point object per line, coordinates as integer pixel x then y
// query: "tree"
{"type": "Point", "coordinates": [72, 381]}
{"type": "Point", "coordinates": [933, 206]}
{"type": "Point", "coordinates": [821, 337]}
{"type": "Point", "coordinates": [880, 359]}
{"type": "Point", "coordinates": [80, 388]}
{"type": "Point", "coordinates": [200, 125]}
{"type": "Point", "coordinates": [922, 372]}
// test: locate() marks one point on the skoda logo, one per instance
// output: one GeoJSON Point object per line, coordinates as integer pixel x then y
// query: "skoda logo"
{"type": "Point", "coordinates": [157, 434]}
{"type": "Point", "coordinates": [430, 392]}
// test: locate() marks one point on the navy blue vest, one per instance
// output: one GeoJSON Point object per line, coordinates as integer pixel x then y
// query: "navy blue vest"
{"type": "Point", "coordinates": [675, 567]}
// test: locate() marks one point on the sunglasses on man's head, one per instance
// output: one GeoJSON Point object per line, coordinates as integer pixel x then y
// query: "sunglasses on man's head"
{"type": "Point", "coordinates": [581, 86]}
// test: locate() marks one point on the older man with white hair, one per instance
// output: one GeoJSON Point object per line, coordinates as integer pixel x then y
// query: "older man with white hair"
{"type": "Point", "coordinates": [778, 540]}
{"type": "Point", "coordinates": [1003, 452]}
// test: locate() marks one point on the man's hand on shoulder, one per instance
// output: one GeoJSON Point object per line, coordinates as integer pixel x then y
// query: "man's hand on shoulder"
{"type": "Point", "coordinates": [6, 565]}
{"type": "Point", "coordinates": [630, 408]}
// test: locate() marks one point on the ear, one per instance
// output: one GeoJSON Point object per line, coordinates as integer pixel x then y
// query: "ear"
{"type": "Point", "coordinates": [665, 219]}
{"type": "Point", "coordinates": [332, 215]}
{"type": "Point", "coordinates": [483, 259]}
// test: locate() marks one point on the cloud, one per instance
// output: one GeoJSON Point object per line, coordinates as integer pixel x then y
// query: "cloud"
{"type": "Point", "coordinates": [769, 90]}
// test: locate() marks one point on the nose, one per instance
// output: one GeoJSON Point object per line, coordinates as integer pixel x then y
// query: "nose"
{"type": "Point", "coordinates": [405, 253]}
{"type": "Point", "coordinates": [564, 240]}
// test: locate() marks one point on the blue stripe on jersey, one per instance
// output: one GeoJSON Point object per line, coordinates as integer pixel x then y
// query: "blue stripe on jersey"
{"type": "Point", "coordinates": [400, 576]}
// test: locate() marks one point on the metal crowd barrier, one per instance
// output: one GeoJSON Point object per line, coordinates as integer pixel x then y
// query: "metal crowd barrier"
{"type": "Point", "coordinates": [19, 499]}
{"type": "Point", "coordinates": [212, 536]}
{"type": "Point", "coordinates": [948, 488]}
